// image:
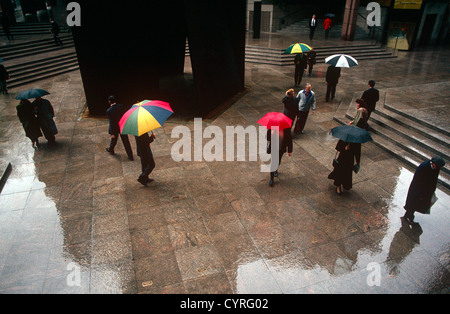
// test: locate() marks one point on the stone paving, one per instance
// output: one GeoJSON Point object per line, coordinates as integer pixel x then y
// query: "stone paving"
{"type": "Point", "coordinates": [73, 219]}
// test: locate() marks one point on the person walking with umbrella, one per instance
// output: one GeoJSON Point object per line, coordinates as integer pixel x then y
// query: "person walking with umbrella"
{"type": "Point", "coordinates": [422, 188]}
{"type": "Point", "coordinates": [343, 167]}
{"type": "Point", "coordinates": [300, 67]}
{"type": "Point", "coordinates": [349, 137]}
{"type": "Point", "coordinates": [115, 113]}
{"type": "Point", "coordinates": [55, 31]}
{"type": "Point", "coordinates": [332, 79]}
{"type": "Point", "coordinates": [311, 57]}
{"type": "Point", "coordinates": [327, 26]}
{"type": "Point", "coordinates": [278, 127]}
{"type": "Point", "coordinates": [30, 123]}
{"type": "Point", "coordinates": [144, 151]}
{"type": "Point", "coordinates": [45, 115]}
{"type": "Point", "coordinates": [142, 118]}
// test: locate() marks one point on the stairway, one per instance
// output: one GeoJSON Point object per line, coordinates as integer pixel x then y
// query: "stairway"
{"type": "Point", "coordinates": [24, 65]}
{"type": "Point", "coordinates": [273, 56]}
{"type": "Point", "coordinates": [26, 29]}
{"type": "Point", "coordinates": [408, 138]}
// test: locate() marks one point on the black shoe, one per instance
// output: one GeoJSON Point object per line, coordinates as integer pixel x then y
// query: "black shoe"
{"type": "Point", "coordinates": [143, 181]}
{"type": "Point", "coordinates": [275, 174]}
{"type": "Point", "coordinates": [271, 182]}
{"type": "Point", "coordinates": [109, 150]}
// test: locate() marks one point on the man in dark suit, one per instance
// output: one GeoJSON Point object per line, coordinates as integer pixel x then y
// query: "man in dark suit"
{"type": "Point", "coordinates": [312, 26]}
{"type": "Point", "coordinates": [300, 67]}
{"type": "Point", "coordinates": [144, 151]}
{"type": "Point", "coordinates": [371, 96]}
{"type": "Point", "coordinates": [422, 188]}
{"type": "Point", "coordinates": [332, 78]}
{"type": "Point", "coordinates": [115, 113]}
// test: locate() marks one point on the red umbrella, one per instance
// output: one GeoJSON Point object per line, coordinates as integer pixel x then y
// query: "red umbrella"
{"type": "Point", "coordinates": [278, 119]}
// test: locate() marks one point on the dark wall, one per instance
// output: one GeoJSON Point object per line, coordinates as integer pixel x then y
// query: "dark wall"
{"type": "Point", "coordinates": [129, 48]}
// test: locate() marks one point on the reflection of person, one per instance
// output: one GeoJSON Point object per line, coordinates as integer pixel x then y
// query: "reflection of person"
{"type": "Point", "coordinates": [332, 78]}
{"type": "Point", "coordinates": [342, 172]}
{"type": "Point", "coordinates": [300, 66]}
{"type": "Point", "coordinates": [144, 151]}
{"type": "Point", "coordinates": [45, 115]}
{"type": "Point", "coordinates": [422, 188]}
{"type": "Point", "coordinates": [306, 101]}
{"type": "Point", "coordinates": [115, 113]}
{"type": "Point", "coordinates": [30, 123]}
{"type": "Point", "coordinates": [285, 146]}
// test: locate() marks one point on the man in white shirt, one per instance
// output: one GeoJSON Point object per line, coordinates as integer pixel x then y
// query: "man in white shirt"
{"type": "Point", "coordinates": [312, 26]}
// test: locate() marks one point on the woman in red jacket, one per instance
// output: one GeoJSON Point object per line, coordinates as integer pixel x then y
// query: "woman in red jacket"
{"type": "Point", "coordinates": [327, 26]}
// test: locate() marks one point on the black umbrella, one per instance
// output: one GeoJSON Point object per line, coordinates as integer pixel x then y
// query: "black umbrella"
{"type": "Point", "coordinates": [32, 93]}
{"type": "Point", "coordinates": [351, 134]}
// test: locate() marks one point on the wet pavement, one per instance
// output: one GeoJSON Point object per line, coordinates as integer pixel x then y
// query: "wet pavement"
{"type": "Point", "coordinates": [73, 219]}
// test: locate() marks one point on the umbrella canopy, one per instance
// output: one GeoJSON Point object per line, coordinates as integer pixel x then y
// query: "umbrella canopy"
{"type": "Point", "coordinates": [331, 15]}
{"type": "Point", "coordinates": [144, 117]}
{"type": "Point", "coordinates": [341, 61]}
{"type": "Point", "coordinates": [1, 60]}
{"type": "Point", "coordinates": [351, 134]}
{"type": "Point", "coordinates": [297, 48]}
{"type": "Point", "coordinates": [278, 119]}
{"type": "Point", "coordinates": [32, 93]}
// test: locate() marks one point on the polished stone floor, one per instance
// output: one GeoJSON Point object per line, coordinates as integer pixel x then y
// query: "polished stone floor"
{"type": "Point", "coordinates": [73, 219]}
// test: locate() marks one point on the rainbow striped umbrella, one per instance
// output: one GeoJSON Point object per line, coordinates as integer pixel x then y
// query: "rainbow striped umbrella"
{"type": "Point", "coordinates": [297, 48]}
{"type": "Point", "coordinates": [144, 117]}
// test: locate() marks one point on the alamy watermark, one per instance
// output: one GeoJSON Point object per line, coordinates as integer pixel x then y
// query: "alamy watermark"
{"type": "Point", "coordinates": [221, 146]}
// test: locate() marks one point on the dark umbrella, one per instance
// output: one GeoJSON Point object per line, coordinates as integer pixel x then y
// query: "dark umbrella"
{"type": "Point", "coordinates": [331, 15]}
{"type": "Point", "coordinates": [32, 93]}
{"type": "Point", "coordinates": [351, 134]}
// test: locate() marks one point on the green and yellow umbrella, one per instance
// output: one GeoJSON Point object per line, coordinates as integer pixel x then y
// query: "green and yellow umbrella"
{"type": "Point", "coordinates": [297, 48]}
{"type": "Point", "coordinates": [144, 117]}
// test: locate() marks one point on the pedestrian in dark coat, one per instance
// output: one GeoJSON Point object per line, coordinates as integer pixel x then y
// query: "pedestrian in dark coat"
{"type": "Point", "coordinates": [285, 146]}
{"type": "Point", "coordinates": [311, 60]}
{"type": "Point", "coordinates": [300, 67]}
{"type": "Point", "coordinates": [4, 75]}
{"type": "Point", "coordinates": [55, 30]}
{"type": "Point", "coordinates": [144, 151]}
{"type": "Point", "coordinates": [371, 96]}
{"type": "Point", "coordinates": [342, 172]}
{"type": "Point", "coordinates": [4, 20]}
{"type": "Point", "coordinates": [30, 123]}
{"type": "Point", "coordinates": [115, 113]}
{"type": "Point", "coordinates": [332, 78]}
{"type": "Point", "coordinates": [422, 188]}
{"type": "Point", "coordinates": [45, 115]}
{"type": "Point", "coordinates": [290, 103]}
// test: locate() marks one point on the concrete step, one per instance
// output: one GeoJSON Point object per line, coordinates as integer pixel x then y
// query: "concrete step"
{"type": "Point", "coordinates": [274, 56]}
{"type": "Point", "coordinates": [410, 141]}
{"type": "Point", "coordinates": [22, 29]}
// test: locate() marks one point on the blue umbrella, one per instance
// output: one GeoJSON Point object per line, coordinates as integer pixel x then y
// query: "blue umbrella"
{"type": "Point", "coordinates": [32, 93]}
{"type": "Point", "coordinates": [351, 134]}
